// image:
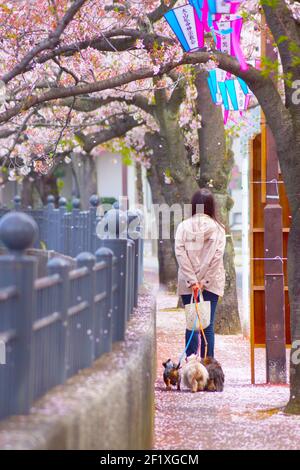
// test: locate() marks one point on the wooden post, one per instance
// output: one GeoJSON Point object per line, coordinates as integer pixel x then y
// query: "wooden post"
{"type": "Point", "coordinates": [274, 277]}
{"type": "Point", "coordinates": [273, 249]}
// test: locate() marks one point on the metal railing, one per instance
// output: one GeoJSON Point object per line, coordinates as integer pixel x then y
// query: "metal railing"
{"type": "Point", "coordinates": [53, 326]}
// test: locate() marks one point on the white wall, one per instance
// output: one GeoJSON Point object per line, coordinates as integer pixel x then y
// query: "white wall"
{"type": "Point", "coordinates": [131, 185]}
{"type": "Point", "coordinates": [109, 174]}
{"type": "Point", "coordinates": [7, 192]}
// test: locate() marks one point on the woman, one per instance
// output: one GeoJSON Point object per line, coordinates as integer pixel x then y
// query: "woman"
{"type": "Point", "coordinates": [199, 247]}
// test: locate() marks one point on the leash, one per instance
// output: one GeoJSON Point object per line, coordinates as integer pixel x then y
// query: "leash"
{"type": "Point", "coordinates": [197, 317]}
{"type": "Point", "coordinates": [201, 329]}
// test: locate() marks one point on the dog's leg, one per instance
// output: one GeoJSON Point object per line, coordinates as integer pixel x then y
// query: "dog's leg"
{"type": "Point", "coordinates": [200, 385]}
{"type": "Point", "coordinates": [194, 385]}
{"type": "Point", "coordinates": [168, 384]}
{"type": "Point", "coordinates": [178, 385]}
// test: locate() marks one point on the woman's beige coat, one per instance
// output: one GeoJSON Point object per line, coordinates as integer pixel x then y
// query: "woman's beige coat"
{"type": "Point", "coordinates": [199, 248]}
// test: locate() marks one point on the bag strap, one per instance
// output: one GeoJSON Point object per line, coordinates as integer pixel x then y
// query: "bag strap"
{"type": "Point", "coordinates": [193, 300]}
{"type": "Point", "coordinates": [201, 327]}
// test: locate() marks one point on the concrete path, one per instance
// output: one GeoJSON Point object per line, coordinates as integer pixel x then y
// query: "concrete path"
{"type": "Point", "coordinates": [242, 417]}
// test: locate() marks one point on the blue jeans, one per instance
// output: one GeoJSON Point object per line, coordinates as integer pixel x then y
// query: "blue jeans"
{"type": "Point", "coordinates": [209, 331]}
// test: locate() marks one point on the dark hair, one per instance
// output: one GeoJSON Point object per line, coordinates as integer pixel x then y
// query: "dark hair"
{"type": "Point", "coordinates": [203, 201]}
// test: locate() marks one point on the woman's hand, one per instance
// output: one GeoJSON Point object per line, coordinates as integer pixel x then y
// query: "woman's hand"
{"type": "Point", "coordinates": [196, 287]}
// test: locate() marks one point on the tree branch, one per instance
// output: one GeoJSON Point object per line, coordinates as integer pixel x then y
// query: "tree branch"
{"type": "Point", "coordinates": [49, 43]}
{"type": "Point", "coordinates": [117, 129]}
{"type": "Point", "coordinates": [179, 92]}
{"type": "Point", "coordinates": [159, 12]}
{"type": "Point", "coordinates": [285, 32]}
{"type": "Point", "coordinates": [108, 42]}
{"type": "Point", "coordinates": [88, 104]}
{"type": "Point", "coordinates": [264, 89]}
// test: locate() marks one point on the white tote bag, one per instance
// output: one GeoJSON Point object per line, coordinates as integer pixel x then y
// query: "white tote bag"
{"type": "Point", "coordinates": [191, 314]}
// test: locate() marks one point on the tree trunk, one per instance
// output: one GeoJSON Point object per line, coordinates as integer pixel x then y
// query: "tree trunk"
{"type": "Point", "coordinates": [46, 185]}
{"type": "Point", "coordinates": [27, 192]}
{"type": "Point", "coordinates": [172, 180]}
{"type": "Point", "coordinates": [293, 406]}
{"type": "Point", "coordinates": [289, 158]}
{"type": "Point", "coordinates": [216, 163]}
{"type": "Point", "coordinates": [165, 247]}
{"type": "Point", "coordinates": [84, 166]}
{"type": "Point", "coordinates": [139, 183]}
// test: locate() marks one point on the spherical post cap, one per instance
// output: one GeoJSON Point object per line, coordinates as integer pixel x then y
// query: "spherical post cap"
{"type": "Point", "coordinates": [51, 199]}
{"type": "Point", "coordinates": [94, 200]}
{"type": "Point", "coordinates": [104, 251]}
{"type": "Point", "coordinates": [18, 231]}
{"type": "Point", "coordinates": [56, 263]}
{"type": "Point", "coordinates": [76, 203]}
{"type": "Point", "coordinates": [85, 256]}
{"type": "Point", "coordinates": [62, 202]}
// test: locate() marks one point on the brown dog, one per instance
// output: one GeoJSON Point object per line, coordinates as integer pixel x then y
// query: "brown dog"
{"type": "Point", "coordinates": [172, 375]}
{"type": "Point", "coordinates": [216, 375]}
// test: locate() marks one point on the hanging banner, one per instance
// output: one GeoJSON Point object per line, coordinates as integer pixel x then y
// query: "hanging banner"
{"type": "Point", "coordinates": [190, 22]}
{"type": "Point", "coordinates": [215, 77]}
{"type": "Point", "coordinates": [223, 6]}
{"type": "Point", "coordinates": [227, 35]}
{"type": "Point", "coordinates": [209, 10]}
{"type": "Point", "coordinates": [229, 91]}
{"type": "Point", "coordinates": [187, 26]}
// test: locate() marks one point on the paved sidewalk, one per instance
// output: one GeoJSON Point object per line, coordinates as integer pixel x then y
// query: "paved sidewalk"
{"type": "Point", "coordinates": [242, 417]}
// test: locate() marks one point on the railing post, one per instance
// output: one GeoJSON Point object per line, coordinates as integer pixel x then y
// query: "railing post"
{"type": "Point", "coordinates": [17, 202]}
{"type": "Point", "coordinates": [88, 260]}
{"type": "Point", "coordinates": [119, 314]}
{"type": "Point", "coordinates": [62, 204]}
{"type": "Point", "coordinates": [140, 229]}
{"type": "Point", "coordinates": [103, 325]}
{"type": "Point", "coordinates": [135, 235]}
{"type": "Point", "coordinates": [18, 231]}
{"type": "Point", "coordinates": [94, 203]}
{"type": "Point", "coordinates": [130, 277]}
{"type": "Point", "coordinates": [115, 238]}
{"type": "Point", "coordinates": [75, 244]}
{"type": "Point", "coordinates": [62, 267]}
{"type": "Point", "coordinates": [51, 229]}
